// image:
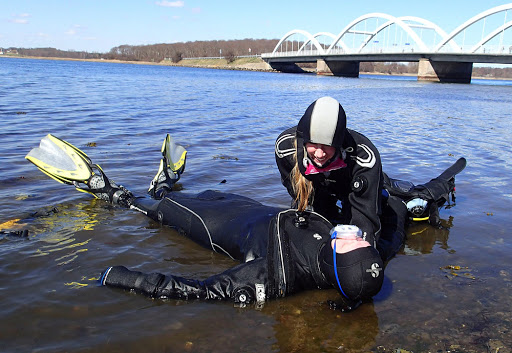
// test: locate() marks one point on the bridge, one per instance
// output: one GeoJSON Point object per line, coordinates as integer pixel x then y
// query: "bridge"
{"type": "Point", "coordinates": [379, 37]}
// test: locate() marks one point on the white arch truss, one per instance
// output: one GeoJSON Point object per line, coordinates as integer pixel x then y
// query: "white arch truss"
{"type": "Point", "coordinates": [402, 22]}
{"type": "Point", "coordinates": [433, 26]}
{"type": "Point", "coordinates": [473, 20]}
{"type": "Point", "coordinates": [423, 23]}
{"type": "Point", "coordinates": [316, 35]}
{"type": "Point", "coordinates": [491, 36]}
{"type": "Point", "coordinates": [308, 35]}
{"type": "Point", "coordinates": [391, 19]}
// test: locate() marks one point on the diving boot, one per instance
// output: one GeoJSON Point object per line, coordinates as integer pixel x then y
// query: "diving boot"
{"type": "Point", "coordinates": [163, 181]}
{"type": "Point", "coordinates": [103, 188]}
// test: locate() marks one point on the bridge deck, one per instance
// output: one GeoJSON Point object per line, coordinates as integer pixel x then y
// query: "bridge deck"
{"type": "Point", "coordinates": [389, 57]}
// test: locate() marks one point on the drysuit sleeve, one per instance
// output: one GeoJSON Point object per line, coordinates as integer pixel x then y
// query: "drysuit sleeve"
{"type": "Point", "coordinates": [284, 153]}
{"type": "Point", "coordinates": [244, 283]}
{"type": "Point", "coordinates": [394, 216]}
{"type": "Point", "coordinates": [364, 198]}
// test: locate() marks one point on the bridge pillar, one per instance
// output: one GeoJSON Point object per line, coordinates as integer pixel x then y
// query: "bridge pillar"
{"type": "Point", "coordinates": [444, 71]}
{"type": "Point", "coordinates": [286, 67]}
{"type": "Point", "coordinates": [337, 68]}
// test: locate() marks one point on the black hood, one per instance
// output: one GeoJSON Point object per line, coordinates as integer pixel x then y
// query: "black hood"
{"type": "Point", "coordinates": [360, 271]}
{"type": "Point", "coordinates": [324, 122]}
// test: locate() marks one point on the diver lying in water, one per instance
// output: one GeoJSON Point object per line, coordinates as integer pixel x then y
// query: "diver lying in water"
{"type": "Point", "coordinates": [281, 252]}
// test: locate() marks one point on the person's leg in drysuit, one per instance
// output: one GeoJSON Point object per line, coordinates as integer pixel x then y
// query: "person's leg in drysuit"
{"type": "Point", "coordinates": [226, 223]}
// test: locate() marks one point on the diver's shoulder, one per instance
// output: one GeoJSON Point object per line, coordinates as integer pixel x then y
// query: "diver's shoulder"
{"type": "Point", "coordinates": [285, 143]}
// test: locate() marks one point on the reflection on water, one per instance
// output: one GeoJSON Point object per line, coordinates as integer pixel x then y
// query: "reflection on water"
{"type": "Point", "coordinates": [298, 328]}
{"type": "Point", "coordinates": [422, 237]}
{"type": "Point", "coordinates": [55, 229]}
{"type": "Point", "coordinates": [452, 283]}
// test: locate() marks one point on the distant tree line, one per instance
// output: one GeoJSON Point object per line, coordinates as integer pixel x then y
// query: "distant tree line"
{"type": "Point", "coordinates": [389, 67]}
{"type": "Point", "coordinates": [412, 68]}
{"type": "Point", "coordinates": [56, 53]}
{"type": "Point", "coordinates": [494, 72]}
{"type": "Point", "coordinates": [228, 49]}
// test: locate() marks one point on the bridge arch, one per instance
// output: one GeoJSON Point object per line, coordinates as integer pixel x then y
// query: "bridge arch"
{"type": "Point", "coordinates": [442, 33]}
{"type": "Point", "coordinates": [491, 36]}
{"type": "Point", "coordinates": [470, 22]}
{"type": "Point", "coordinates": [391, 19]}
{"type": "Point", "coordinates": [308, 35]}
{"type": "Point", "coordinates": [316, 35]}
{"type": "Point", "coordinates": [422, 22]}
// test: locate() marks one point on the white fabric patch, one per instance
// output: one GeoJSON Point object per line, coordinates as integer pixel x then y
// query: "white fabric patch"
{"type": "Point", "coordinates": [374, 270]}
{"type": "Point", "coordinates": [260, 293]}
{"type": "Point", "coordinates": [281, 153]}
{"type": "Point", "coordinates": [324, 120]}
{"type": "Point", "coordinates": [370, 160]}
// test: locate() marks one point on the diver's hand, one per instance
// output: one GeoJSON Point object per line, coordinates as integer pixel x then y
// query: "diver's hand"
{"type": "Point", "coordinates": [343, 305]}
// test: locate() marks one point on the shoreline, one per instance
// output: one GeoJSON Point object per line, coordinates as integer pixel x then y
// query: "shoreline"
{"type": "Point", "coordinates": [243, 64]}
{"type": "Point", "coordinates": [240, 64]}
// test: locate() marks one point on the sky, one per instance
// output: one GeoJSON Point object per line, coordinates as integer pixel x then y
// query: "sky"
{"type": "Point", "coordinates": [99, 25]}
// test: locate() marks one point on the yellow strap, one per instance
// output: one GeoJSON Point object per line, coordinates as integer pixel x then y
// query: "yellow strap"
{"type": "Point", "coordinates": [420, 219]}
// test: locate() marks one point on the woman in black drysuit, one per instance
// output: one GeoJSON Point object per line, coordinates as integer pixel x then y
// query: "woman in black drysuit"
{"type": "Point", "coordinates": [322, 163]}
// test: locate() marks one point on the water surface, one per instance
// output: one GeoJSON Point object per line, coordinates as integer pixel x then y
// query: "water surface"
{"type": "Point", "coordinates": [228, 120]}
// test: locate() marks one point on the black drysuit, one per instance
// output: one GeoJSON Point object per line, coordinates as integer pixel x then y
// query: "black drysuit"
{"type": "Point", "coordinates": [277, 256]}
{"type": "Point", "coordinates": [358, 185]}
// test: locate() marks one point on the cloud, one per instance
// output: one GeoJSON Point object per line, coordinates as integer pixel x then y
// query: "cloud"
{"type": "Point", "coordinates": [20, 19]}
{"type": "Point", "coordinates": [167, 18]}
{"type": "Point", "coordinates": [196, 10]}
{"type": "Point", "coordinates": [74, 30]}
{"type": "Point", "coordinates": [166, 3]}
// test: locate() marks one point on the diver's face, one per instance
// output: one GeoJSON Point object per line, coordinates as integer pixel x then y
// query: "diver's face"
{"type": "Point", "coordinates": [320, 154]}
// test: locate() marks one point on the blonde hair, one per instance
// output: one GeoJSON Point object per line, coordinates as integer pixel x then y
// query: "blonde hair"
{"type": "Point", "coordinates": [302, 187]}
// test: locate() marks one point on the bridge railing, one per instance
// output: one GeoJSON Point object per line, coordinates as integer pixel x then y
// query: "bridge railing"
{"type": "Point", "coordinates": [486, 49]}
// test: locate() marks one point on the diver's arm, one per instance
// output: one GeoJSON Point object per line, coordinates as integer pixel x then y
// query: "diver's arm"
{"type": "Point", "coordinates": [284, 154]}
{"type": "Point", "coordinates": [365, 197]}
{"type": "Point", "coordinates": [238, 283]}
{"type": "Point", "coordinates": [394, 216]}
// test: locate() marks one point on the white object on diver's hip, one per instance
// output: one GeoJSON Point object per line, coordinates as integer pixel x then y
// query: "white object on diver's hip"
{"type": "Point", "coordinates": [346, 231]}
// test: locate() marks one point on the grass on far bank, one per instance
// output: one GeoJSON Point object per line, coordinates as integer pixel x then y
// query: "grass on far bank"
{"type": "Point", "coordinates": [220, 62]}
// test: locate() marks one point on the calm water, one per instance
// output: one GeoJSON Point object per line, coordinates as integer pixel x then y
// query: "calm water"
{"type": "Point", "coordinates": [228, 120]}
